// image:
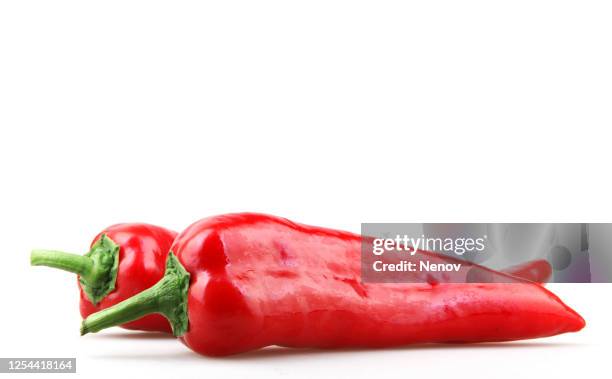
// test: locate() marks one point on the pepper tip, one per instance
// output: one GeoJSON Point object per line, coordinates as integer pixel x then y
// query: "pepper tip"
{"type": "Point", "coordinates": [575, 322]}
{"type": "Point", "coordinates": [580, 323]}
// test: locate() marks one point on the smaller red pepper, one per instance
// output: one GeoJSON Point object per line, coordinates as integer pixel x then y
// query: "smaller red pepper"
{"type": "Point", "coordinates": [123, 260]}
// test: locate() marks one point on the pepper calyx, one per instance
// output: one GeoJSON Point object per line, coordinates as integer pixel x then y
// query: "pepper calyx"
{"type": "Point", "coordinates": [102, 278]}
{"type": "Point", "coordinates": [167, 297]}
{"type": "Point", "coordinates": [175, 307]}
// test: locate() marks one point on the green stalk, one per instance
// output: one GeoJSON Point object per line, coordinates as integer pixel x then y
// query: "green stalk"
{"type": "Point", "coordinates": [167, 297]}
{"type": "Point", "coordinates": [97, 270]}
{"type": "Point", "coordinates": [78, 264]}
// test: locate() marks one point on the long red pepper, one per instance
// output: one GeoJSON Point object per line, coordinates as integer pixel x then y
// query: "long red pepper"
{"type": "Point", "coordinates": [244, 281]}
{"type": "Point", "coordinates": [124, 260]}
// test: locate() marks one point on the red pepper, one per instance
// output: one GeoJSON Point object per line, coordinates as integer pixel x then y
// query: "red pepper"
{"type": "Point", "coordinates": [244, 281]}
{"type": "Point", "coordinates": [124, 260]}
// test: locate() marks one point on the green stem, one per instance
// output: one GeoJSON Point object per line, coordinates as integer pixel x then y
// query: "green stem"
{"type": "Point", "coordinates": [78, 264]}
{"type": "Point", "coordinates": [167, 297]}
{"type": "Point", "coordinates": [97, 270]}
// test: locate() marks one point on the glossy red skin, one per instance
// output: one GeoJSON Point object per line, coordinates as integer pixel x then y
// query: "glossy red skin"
{"type": "Point", "coordinates": [259, 280]}
{"type": "Point", "coordinates": [143, 250]}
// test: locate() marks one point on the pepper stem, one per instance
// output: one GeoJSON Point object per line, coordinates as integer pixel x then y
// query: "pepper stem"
{"type": "Point", "coordinates": [97, 270]}
{"type": "Point", "coordinates": [78, 264]}
{"type": "Point", "coordinates": [168, 297]}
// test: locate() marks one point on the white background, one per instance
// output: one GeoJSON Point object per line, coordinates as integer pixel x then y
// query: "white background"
{"type": "Point", "coordinates": [327, 112]}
